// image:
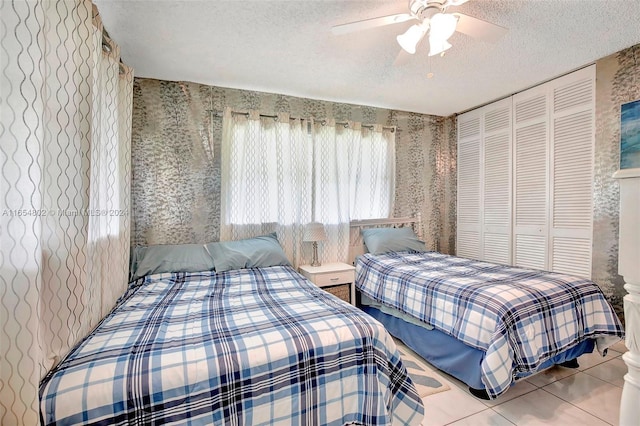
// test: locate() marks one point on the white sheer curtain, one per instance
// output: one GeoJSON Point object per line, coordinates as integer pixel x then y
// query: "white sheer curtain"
{"type": "Point", "coordinates": [266, 178]}
{"type": "Point", "coordinates": [281, 174]}
{"type": "Point", "coordinates": [372, 161]}
{"type": "Point", "coordinates": [354, 178]}
{"type": "Point", "coordinates": [65, 132]}
{"type": "Point", "coordinates": [331, 187]}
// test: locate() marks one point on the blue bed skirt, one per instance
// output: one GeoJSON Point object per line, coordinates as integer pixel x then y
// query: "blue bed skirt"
{"type": "Point", "coordinates": [451, 355]}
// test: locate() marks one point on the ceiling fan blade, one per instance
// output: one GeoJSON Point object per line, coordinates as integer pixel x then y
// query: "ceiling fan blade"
{"type": "Point", "coordinates": [455, 2]}
{"type": "Point", "coordinates": [478, 28]}
{"type": "Point", "coordinates": [370, 23]}
{"type": "Point", "coordinates": [402, 58]}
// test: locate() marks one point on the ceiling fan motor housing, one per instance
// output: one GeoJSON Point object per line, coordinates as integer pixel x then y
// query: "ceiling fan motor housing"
{"type": "Point", "coordinates": [425, 9]}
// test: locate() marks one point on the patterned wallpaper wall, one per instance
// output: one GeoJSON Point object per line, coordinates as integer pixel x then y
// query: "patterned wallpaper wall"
{"type": "Point", "coordinates": [176, 159]}
{"type": "Point", "coordinates": [617, 82]}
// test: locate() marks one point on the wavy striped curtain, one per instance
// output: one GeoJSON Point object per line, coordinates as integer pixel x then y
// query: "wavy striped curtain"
{"type": "Point", "coordinates": [64, 189]}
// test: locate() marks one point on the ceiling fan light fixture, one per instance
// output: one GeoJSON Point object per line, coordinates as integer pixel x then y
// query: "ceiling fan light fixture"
{"type": "Point", "coordinates": [443, 25]}
{"type": "Point", "coordinates": [410, 39]}
{"type": "Point", "coordinates": [437, 46]}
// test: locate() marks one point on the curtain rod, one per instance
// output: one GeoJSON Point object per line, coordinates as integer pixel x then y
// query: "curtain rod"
{"type": "Point", "coordinates": [322, 122]}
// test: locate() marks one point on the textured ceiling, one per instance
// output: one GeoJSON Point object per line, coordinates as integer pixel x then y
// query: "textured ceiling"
{"type": "Point", "coordinates": [287, 47]}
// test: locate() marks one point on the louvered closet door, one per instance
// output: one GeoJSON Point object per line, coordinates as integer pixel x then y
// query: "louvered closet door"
{"type": "Point", "coordinates": [531, 139]}
{"type": "Point", "coordinates": [496, 194]}
{"type": "Point", "coordinates": [469, 202]}
{"type": "Point", "coordinates": [573, 134]}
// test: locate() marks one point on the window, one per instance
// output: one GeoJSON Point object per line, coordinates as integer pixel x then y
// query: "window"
{"type": "Point", "coordinates": [279, 174]}
{"type": "Point", "coordinates": [275, 166]}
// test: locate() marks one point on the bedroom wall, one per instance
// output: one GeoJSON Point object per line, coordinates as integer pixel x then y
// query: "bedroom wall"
{"type": "Point", "coordinates": [176, 152]}
{"type": "Point", "coordinates": [176, 159]}
{"type": "Point", "coordinates": [617, 82]}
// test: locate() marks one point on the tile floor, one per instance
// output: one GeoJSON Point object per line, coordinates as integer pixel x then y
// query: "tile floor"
{"type": "Point", "coordinates": [589, 395]}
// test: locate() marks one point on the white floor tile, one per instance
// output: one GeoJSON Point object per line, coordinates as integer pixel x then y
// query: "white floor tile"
{"type": "Point", "coordinates": [487, 417]}
{"type": "Point", "coordinates": [540, 407]}
{"type": "Point", "coordinates": [612, 371]}
{"type": "Point", "coordinates": [594, 358]}
{"type": "Point", "coordinates": [619, 347]}
{"type": "Point", "coordinates": [519, 389]}
{"type": "Point", "coordinates": [591, 394]}
{"type": "Point", "coordinates": [449, 406]}
{"type": "Point", "coordinates": [551, 375]}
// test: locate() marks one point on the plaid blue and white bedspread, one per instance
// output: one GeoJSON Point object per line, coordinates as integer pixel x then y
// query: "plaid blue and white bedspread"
{"type": "Point", "coordinates": [258, 346]}
{"type": "Point", "coordinates": [520, 317]}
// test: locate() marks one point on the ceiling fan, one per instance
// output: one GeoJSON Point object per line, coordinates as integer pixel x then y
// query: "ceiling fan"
{"type": "Point", "coordinates": [433, 18]}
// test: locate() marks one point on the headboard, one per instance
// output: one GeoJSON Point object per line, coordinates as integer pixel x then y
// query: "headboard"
{"type": "Point", "coordinates": [356, 244]}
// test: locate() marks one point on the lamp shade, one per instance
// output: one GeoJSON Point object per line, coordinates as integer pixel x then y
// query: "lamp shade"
{"type": "Point", "coordinates": [437, 46]}
{"type": "Point", "coordinates": [409, 40]}
{"type": "Point", "coordinates": [443, 25]}
{"type": "Point", "coordinates": [314, 231]}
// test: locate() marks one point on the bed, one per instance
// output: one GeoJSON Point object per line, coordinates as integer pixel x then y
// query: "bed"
{"type": "Point", "coordinates": [488, 325]}
{"type": "Point", "coordinates": [258, 345]}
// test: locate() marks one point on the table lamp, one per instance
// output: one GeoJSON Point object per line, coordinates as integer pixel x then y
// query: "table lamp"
{"type": "Point", "coordinates": [314, 232]}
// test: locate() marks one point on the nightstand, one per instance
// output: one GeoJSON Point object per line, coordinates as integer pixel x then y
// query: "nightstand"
{"type": "Point", "coordinates": [336, 278]}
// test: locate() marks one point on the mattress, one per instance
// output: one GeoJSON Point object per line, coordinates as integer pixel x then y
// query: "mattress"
{"type": "Point", "coordinates": [519, 318]}
{"type": "Point", "coordinates": [249, 346]}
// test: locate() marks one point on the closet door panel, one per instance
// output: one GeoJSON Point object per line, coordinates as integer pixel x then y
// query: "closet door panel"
{"type": "Point", "coordinates": [497, 182]}
{"type": "Point", "coordinates": [469, 197]}
{"type": "Point", "coordinates": [496, 248]}
{"type": "Point", "coordinates": [531, 142]}
{"type": "Point", "coordinates": [497, 167]}
{"type": "Point", "coordinates": [525, 177]}
{"type": "Point", "coordinates": [571, 256]}
{"type": "Point", "coordinates": [468, 244]}
{"type": "Point", "coordinates": [571, 204]}
{"type": "Point", "coordinates": [530, 251]}
{"type": "Point", "coordinates": [531, 176]}
{"type": "Point", "coordinates": [572, 172]}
